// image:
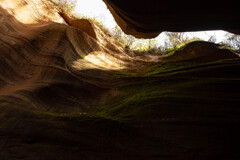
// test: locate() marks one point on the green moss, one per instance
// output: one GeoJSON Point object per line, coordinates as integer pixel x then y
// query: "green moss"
{"type": "Point", "coordinates": [169, 83]}
{"type": "Point", "coordinates": [65, 115]}
{"type": "Point", "coordinates": [137, 97]}
{"type": "Point", "coordinates": [68, 116]}
{"type": "Point", "coordinates": [142, 98]}
{"type": "Point", "coordinates": [171, 68]}
{"type": "Point", "coordinates": [165, 85]}
{"type": "Point", "coordinates": [87, 119]}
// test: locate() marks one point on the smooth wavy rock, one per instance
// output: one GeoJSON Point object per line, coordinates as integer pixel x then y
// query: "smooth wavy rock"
{"type": "Point", "coordinates": [43, 58]}
{"type": "Point", "coordinates": [200, 51]}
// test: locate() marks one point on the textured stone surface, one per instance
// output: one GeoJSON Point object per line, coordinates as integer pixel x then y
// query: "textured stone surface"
{"type": "Point", "coordinates": [200, 51]}
{"type": "Point", "coordinates": [82, 24]}
{"type": "Point", "coordinates": [146, 19]}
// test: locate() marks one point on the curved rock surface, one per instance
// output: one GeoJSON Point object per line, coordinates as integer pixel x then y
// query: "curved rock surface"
{"type": "Point", "coordinates": [82, 24]}
{"type": "Point", "coordinates": [71, 92]}
{"type": "Point", "coordinates": [146, 19]}
{"type": "Point", "coordinates": [49, 57]}
{"type": "Point", "coordinates": [200, 51]}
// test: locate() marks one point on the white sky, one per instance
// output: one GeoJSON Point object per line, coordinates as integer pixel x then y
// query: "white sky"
{"type": "Point", "coordinates": [98, 9]}
{"type": "Point", "coordinates": [95, 8]}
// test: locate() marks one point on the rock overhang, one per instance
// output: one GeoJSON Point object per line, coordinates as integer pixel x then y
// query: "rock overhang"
{"type": "Point", "coordinates": [147, 19]}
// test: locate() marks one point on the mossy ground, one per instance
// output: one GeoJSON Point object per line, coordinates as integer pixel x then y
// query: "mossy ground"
{"type": "Point", "coordinates": [156, 86]}
{"type": "Point", "coordinates": [168, 110]}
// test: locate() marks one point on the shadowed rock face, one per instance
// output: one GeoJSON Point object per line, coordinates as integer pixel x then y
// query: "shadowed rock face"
{"type": "Point", "coordinates": [82, 24]}
{"type": "Point", "coordinates": [65, 94]}
{"type": "Point", "coordinates": [200, 51]}
{"type": "Point", "coordinates": [146, 19]}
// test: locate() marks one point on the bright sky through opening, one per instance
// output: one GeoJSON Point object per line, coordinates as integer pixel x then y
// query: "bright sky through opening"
{"type": "Point", "coordinates": [96, 8]}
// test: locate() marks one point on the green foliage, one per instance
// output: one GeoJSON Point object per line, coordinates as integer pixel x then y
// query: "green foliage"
{"type": "Point", "coordinates": [173, 42]}
{"type": "Point", "coordinates": [134, 44]}
{"type": "Point", "coordinates": [96, 21]}
{"type": "Point", "coordinates": [232, 41]}
{"type": "Point", "coordinates": [67, 6]}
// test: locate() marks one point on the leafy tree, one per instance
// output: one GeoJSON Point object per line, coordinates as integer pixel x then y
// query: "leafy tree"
{"type": "Point", "coordinates": [128, 40]}
{"type": "Point", "coordinates": [176, 40]}
{"type": "Point", "coordinates": [118, 34]}
{"type": "Point", "coordinates": [152, 44]}
{"type": "Point", "coordinates": [232, 40]}
{"type": "Point", "coordinates": [137, 45]}
{"type": "Point", "coordinates": [66, 5]}
{"type": "Point", "coordinates": [173, 40]}
{"type": "Point", "coordinates": [212, 39]}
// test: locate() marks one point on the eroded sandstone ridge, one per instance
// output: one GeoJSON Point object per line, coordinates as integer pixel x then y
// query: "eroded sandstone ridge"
{"type": "Point", "coordinates": [68, 90]}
